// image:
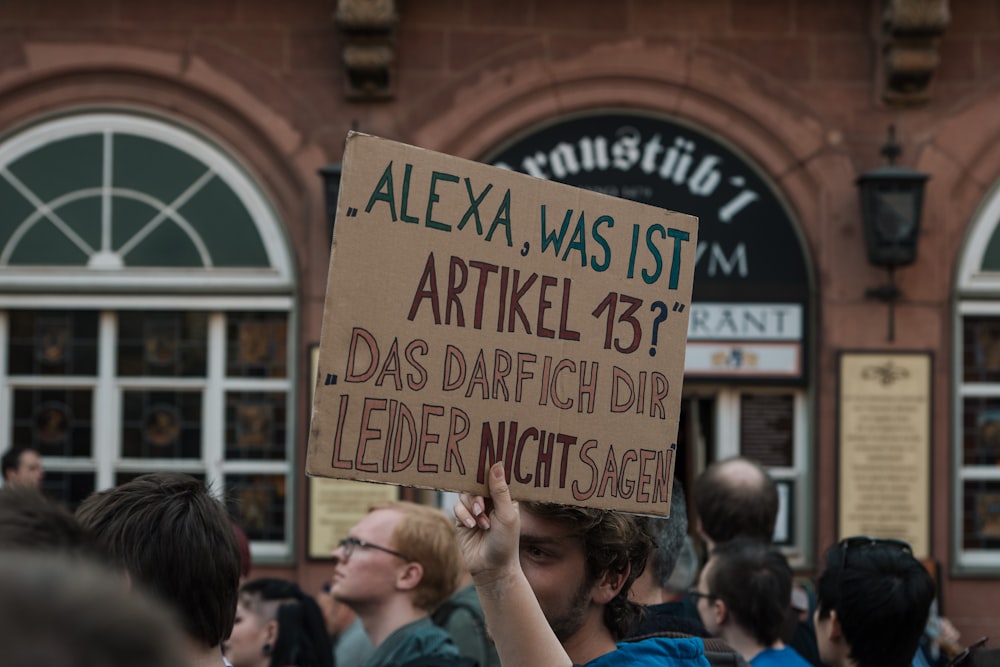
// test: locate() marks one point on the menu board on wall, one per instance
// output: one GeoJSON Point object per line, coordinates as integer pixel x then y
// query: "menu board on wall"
{"type": "Point", "coordinates": [767, 428]}
{"type": "Point", "coordinates": [884, 446]}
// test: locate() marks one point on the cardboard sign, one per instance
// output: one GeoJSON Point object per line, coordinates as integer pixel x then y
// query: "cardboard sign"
{"type": "Point", "coordinates": [475, 314]}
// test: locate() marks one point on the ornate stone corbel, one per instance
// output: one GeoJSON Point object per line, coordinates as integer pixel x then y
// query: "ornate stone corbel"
{"type": "Point", "coordinates": [368, 27]}
{"type": "Point", "coordinates": [911, 29]}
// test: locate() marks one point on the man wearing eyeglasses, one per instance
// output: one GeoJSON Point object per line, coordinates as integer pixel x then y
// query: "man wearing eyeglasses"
{"type": "Point", "coordinates": [742, 597]}
{"type": "Point", "coordinates": [396, 565]}
{"type": "Point", "coordinates": [874, 598]}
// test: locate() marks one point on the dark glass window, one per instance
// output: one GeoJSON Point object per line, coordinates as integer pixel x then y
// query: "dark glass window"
{"type": "Point", "coordinates": [258, 504]}
{"type": "Point", "coordinates": [981, 431]}
{"type": "Point", "coordinates": [255, 425]}
{"type": "Point", "coordinates": [161, 424]}
{"type": "Point", "coordinates": [981, 349]}
{"type": "Point", "coordinates": [158, 344]}
{"type": "Point", "coordinates": [981, 515]}
{"type": "Point", "coordinates": [256, 345]}
{"type": "Point", "coordinates": [53, 342]}
{"type": "Point", "coordinates": [55, 421]}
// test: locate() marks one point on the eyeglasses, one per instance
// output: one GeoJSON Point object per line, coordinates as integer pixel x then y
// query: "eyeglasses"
{"type": "Point", "coordinates": [349, 544]}
{"type": "Point", "coordinates": [861, 541]}
{"type": "Point", "coordinates": [697, 595]}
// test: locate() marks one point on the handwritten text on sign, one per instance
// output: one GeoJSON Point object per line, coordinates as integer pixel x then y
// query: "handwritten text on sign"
{"type": "Point", "coordinates": [475, 315]}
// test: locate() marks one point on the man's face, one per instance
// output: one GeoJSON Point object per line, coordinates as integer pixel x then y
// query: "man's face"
{"type": "Point", "coordinates": [555, 565]}
{"type": "Point", "coordinates": [29, 471]}
{"type": "Point", "coordinates": [368, 576]}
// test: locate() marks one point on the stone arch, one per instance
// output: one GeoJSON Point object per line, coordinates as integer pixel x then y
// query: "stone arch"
{"type": "Point", "coordinates": [58, 79]}
{"type": "Point", "coordinates": [799, 150]}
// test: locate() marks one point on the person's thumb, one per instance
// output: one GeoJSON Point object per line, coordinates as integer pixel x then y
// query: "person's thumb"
{"type": "Point", "coordinates": [503, 505]}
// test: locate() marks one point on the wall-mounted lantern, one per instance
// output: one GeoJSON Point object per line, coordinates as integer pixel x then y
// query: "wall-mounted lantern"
{"type": "Point", "coordinates": [891, 203]}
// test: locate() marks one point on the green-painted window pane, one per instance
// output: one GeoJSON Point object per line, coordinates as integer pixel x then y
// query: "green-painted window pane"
{"type": "Point", "coordinates": [45, 245]}
{"type": "Point", "coordinates": [167, 245]}
{"type": "Point", "coordinates": [83, 216]}
{"type": "Point", "coordinates": [61, 167]}
{"type": "Point", "coordinates": [226, 226]}
{"type": "Point", "coordinates": [14, 209]}
{"type": "Point", "coordinates": [152, 167]}
{"type": "Point", "coordinates": [991, 258]}
{"type": "Point", "coordinates": [129, 216]}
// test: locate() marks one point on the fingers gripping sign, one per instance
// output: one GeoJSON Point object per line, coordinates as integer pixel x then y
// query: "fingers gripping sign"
{"type": "Point", "coordinates": [489, 527]}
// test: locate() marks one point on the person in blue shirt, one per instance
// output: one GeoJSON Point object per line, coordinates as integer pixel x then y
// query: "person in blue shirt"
{"type": "Point", "coordinates": [554, 582]}
{"type": "Point", "coordinates": [742, 596]}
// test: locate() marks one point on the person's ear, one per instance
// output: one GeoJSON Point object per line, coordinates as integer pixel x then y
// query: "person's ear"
{"type": "Point", "coordinates": [610, 585]}
{"type": "Point", "coordinates": [271, 632]}
{"type": "Point", "coordinates": [719, 611]}
{"type": "Point", "coordinates": [834, 632]}
{"type": "Point", "coordinates": [409, 576]}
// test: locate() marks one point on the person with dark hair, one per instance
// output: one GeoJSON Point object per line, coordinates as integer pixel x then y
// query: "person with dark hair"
{"type": "Point", "coordinates": [735, 497]}
{"type": "Point", "coordinates": [393, 569]}
{"type": "Point", "coordinates": [22, 466]}
{"type": "Point", "coordinates": [176, 542]}
{"type": "Point", "coordinates": [874, 599]}
{"type": "Point", "coordinates": [554, 582]}
{"type": "Point", "coordinates": [666, 610]}
{"type": "Point", "coordinates": [61, 612]}
{"type": "Point", "coordinates": [278, 625]}
{"type": "Point", "coordinates": [31, 521]}
{"type": "Point", "coordinates": [743, 595]}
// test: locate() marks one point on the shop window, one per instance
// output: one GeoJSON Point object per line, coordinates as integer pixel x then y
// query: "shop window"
{"type": "Point", "coordinates": [146, 302]}
{"type": "Point", "coordinates": [976, 444]}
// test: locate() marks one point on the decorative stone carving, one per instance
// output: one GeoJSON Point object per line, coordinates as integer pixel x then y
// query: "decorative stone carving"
{"type": "Point", "coordinates": [368, 27]}
{"type": "Point", "coordinates": [911, 29]}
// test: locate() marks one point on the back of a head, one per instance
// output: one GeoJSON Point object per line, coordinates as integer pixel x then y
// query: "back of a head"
{"type": "Point", "coordinates": [668, 536]}
{"type": "Point", "coordinates": [427, 536]}
{"type": "Point", "coordinates": [65, 613]}
{"type": "Point", "coordinates": [612, 542]}
{"type": "Point", "coordinates": [755, 582]}
{"type": "Point", "coordinates": [303, 640]}
{"type": "Point", "coordinates": [175, 541]}
{"type": "Point", "coordinates": [882, 597]}
{"type": "Point", "coordinates": [736, 497]}
{"type": "Point", "coordinates": [31, 521]}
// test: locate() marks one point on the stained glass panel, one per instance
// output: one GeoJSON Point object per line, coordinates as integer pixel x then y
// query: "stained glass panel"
{"type": "Point", "coordinates": [258, 504]}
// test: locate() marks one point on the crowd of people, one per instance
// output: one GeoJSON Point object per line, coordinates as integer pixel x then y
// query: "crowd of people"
{"type": "Point", "coordinates": [155, 571]}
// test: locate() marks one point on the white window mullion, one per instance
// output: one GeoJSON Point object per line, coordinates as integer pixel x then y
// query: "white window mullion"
{"type": "Point", "coordinates": [213, 405]}
{"type": "Point", "coordinates": [5, 394]}
{"type": "Point", "coordinates": [727, 424]}
{"type": "Point", "coordinates": [107, 403]}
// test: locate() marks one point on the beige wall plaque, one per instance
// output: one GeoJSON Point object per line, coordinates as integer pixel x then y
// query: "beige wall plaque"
{"type": "Point", "coordinates": [884, 447]}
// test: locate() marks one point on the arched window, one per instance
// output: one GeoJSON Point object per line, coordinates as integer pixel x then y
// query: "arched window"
{"type": "Point", "coordinates": [146, 315]}
{"type": "Point", "coordinates": [976, 525]}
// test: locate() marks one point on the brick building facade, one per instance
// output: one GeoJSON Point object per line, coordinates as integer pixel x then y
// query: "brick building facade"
{"type": "Point", "coordinates": [165, 243]}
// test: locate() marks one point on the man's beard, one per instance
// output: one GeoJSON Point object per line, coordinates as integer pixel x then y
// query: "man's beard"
{"type": "Point", "coordinates": [569, 622]}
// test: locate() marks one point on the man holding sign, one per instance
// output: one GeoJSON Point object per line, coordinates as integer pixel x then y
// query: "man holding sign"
{"type": "Point", "coordinates": [553, 582]}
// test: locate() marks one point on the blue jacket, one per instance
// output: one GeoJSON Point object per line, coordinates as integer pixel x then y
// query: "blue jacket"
{"type": "Point", "coordinates": [659, 651]}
